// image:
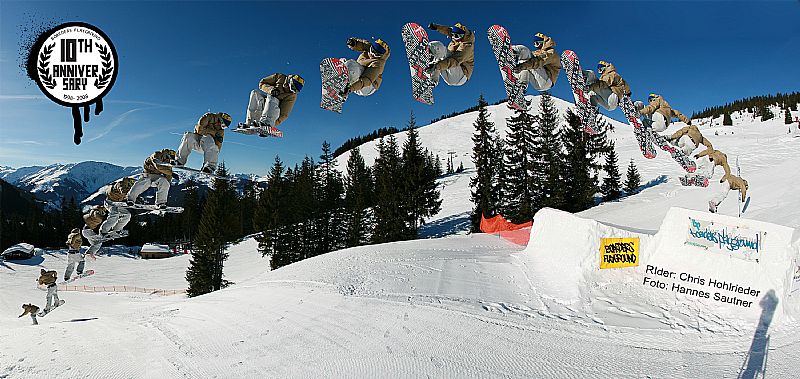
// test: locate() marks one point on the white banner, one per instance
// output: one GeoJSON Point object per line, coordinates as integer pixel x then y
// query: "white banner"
{"type": "Point", "coordinates": [735, 241]}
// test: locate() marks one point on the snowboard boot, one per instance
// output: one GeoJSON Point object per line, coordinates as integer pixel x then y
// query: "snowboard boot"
{"type": "Point", "coordinates": [161, 206]}
{"type": "Point", "coordinates": [208, 170]}
{"type": "Point", "coordinates": [712, 207]}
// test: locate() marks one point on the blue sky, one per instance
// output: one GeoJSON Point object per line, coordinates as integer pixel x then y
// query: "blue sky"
{"type": "Point", "coordinates": [181, 59]}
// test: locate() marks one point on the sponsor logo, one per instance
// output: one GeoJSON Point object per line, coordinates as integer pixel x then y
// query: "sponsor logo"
{"type": "Point", "coordinates": [735, 241]}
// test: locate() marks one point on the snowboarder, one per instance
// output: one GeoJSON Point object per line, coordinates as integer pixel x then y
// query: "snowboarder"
{"type": "Point", "coordinates": [271, 103]}
{"type": "Point", "coordinates": [32, 309]}
{"type": "Point", "coordinates": [715, 158]}
{"type": "Point", "coordinates": [541, 67]}
{"type": "Point", "coordinates": [118, 216]}
{"type": "Point", "coordinates": [658, 113]}
{"type": "Point", "coordinates": [74, 255]}
{"type": "Point", "coordinates": [609, 88]}
{"type": "Point", "coordinates": [366, 72]}
{"type": "Point", "coordinates": [455, 62]}
{"type": "Point", "coordinates": [93, 219]}
{"type": "Point", "coordinates": [158, 172]}
{"type": "Point", "coordinates": [729, 182]}
{"type": "Point", "coordinates": [48, 278]}
{"type": "Point", "coordinates": [206, 138]}
{"type": "Point", "coordinates": [689, 138]}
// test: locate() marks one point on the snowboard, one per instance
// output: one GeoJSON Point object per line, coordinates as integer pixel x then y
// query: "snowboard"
{"type": "Point", "coordinates": [694, 180]}
{"type": "Point", "coordinates": [250, 130]}
{"type": "Point", "coordinates": [746, 204]}
{"type": "Point", "coordinates": [72, 279]}
{"type": "Point", "coordinates": [644, 138]}
{"type": "Point", "coordinates": [204, 173]}
{"type": "Point", "coordinates": [44, 312]}
{"type": "Point", "coordinates": [507, 60]}
{"type": "Point", "coordinates": [586, 111]}
{"type": "Point", "coordinates": [122, 234]}
{"type": "Point", "coordinates": [148, 207]}
{"type": "Point", "coordinates": [334, 80]}
{"type": "Point", "coordinates": [418, 50]}
{"type": "Point", "coordinates": [684, 160]}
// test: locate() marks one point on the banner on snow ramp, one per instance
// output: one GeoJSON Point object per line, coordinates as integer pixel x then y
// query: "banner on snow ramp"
{"type": "Point", "coordinates": [619, 252]}
{"type": "Point", "coordinates": [736, 241]}
{"type": "Point", "coordinates": [796, 278]}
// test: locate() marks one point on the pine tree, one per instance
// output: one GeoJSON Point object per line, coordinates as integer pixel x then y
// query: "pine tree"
{"type": "Point", "coordinates": [548, 174]}
{"type": "Point", "coordinates": [331, 203]}
{"type": "Point", "coordinates": [611, 181]}
{"type": "Point", "coordinates": [632, 180]}
{"type": "Point", "coordinates": [581, 162]}
{"type": "Point", "coordinates": [191, 210]}
{"type": "Point", "coordinates": [460, 167]}
{"type": "Point", "coordinates": [518, 162]}
{"type": "Point", "coordinates": [787, 116]}
{"type": "Point", "coordinates": [418, 181]}
{"type": "Point", "coordinates": [765, 113]}
{"type": "Point", "coordinates": [247, 204]}
{"type": "Point", "coordinates": [390, 215]}
{"type": "Point", "coordinates": [205, 273]}
{"type": "Point", "coordinates": [726, 119]}
{"type": "Point", "coordinates": [359, 189]}
{"type": "Point", "coordinates": [484, 155]}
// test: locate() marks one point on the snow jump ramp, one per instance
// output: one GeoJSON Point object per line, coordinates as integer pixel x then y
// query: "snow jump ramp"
{"type": "Point", "coordinates": [723, 270]}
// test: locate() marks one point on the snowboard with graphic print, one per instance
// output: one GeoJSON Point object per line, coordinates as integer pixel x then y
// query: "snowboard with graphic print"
{"type": "Point", "coordinates": [642, 133]}
{"type": "Point", "coordinates": [507, 60]}
{"type": "Point", "coordinates": [418, 50]}
{"type": "Point", "coordinates": [577, 82]}
{"type": "Point", "coordinates": [335, 79]}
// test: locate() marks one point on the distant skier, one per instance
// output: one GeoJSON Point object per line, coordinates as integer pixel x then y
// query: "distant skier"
{"type": "Point", "coordinates": [609, 88]}
{"type": "Point", "coordinates": [729, 182]}
{"type": "Point", "coordinates": [541, 67]}
{"type": "Point", "coordinates": [48, 278]}
{"type": "Point", "coordinates": [271, 103]}
{"type": "Point", "coordinates": [118, 216]}
{"type": "Point", "coordinates": [455, 62]}
{"type": "Point", "coordinates": [32, 309]}
{"type": "Point", "coordinates": [93, 219]}
{"type": "Point", "coordinates": [366, 72]}
{"type": "Point", "coordinates": [715, 158]}
{"type": "Point", "coordinates": [74, 255]}
{"type": "Point", "coordinates": [206, 138]}
{"type": "Point", "coordinates": [158, 173]}
{"type": "Point", "coordinates": [689, 138]}
{"type": "Point", "coordinates": [658, 113]}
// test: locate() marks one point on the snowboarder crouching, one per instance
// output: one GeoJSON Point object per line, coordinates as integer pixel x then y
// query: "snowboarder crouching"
{"type": "Point", "coordinates": [32, 309]}
{"type": "Point", "coordinates": [271, 103]}
{"type": "Point", "coordinates": [118, 216]}
{"type": "Point", "coordinates": [158, 172]}
{"type": "Point", "coordinates": [729, 182]}
{"type": "Point", "coordinates": [609, 88]}
{"type": "Point", "coordinates": [689, 138]}
{"type": "Point", "coordinates": [206, 138]}
{"type": "Point", "coordinates": [48, 278]}
{"type": "Point", "coordinates": [541, 67]}
{"type": "Point", "coordinates": [366, 72]}
{"type": "Point", "coordinates": [455, 62]}
{"type": "Point", "coordinates": [74, 255]}
{"type": "Point", "coordinates": [93, 219]}
{"type": "Point", "coordinates": [658, 113]}
{"type": "Point", "coordinates": [715, 158]}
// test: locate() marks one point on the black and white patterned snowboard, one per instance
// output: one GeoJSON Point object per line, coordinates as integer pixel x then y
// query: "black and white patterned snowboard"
{"type": "Point", "coordinates": [334, 80]}
{"type": "Point", "coordinates": [507, 60]}
{"type": "Point", "coordinates": [642, 133]}
{"type": "Point", "coordinates": [694, 180]}
{"type": "Point", "coordinates": [586, 111]}
{"type": "Point", "coordinates": [418, 49]}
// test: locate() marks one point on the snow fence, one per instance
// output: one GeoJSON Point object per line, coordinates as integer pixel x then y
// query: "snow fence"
{"type": "Point", "coordinates": [697, 263]}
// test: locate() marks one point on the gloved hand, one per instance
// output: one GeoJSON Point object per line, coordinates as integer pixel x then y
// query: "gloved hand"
{"type": "Point", "coordinates": [432, 26]}
{"type": "Point", "coordinates": [274, 92]}
{"type": "Point", "coordinates": [351, 42]}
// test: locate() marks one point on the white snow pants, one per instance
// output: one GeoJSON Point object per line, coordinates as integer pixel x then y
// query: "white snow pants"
{"type": "Point", "coordinates": [537, 77]}
{"type": "Point", "coordinates": [354, 71]}
{"type": "Point", "coordinates": [73, 257]}
{"type": "Point", "coordinates": [148, 180]}
{"type": "Point", "coordinates": [116, 220]}
{"type": "Point", "coordinates": [705, 167]}
{"type": "Point", "coordinates": [722, 194]}
{"type": "Point", "coordinates": [453, 76]}
{"type": "Point", "coordinates": [95, 242]}
{"type": "Point", "coordinates": [603, 97]}
{"type": "Point", "coordinates": [263, 108]}
{"type": "Point", "coordinates": [658, 122]}
{"type": "Point", "coordinates": [52, 293]}
{"type": "Point", "coordinates": [204, 144]}
{"type": "Point", "coordinates": [686, 144]}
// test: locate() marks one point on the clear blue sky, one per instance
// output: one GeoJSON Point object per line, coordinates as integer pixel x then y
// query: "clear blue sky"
{"type": "Point", "coordinates": [181, 59]}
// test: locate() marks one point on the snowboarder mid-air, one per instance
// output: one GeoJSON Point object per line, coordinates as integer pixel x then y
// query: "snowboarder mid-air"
{"type": "Point", "coordinates": [158, 173]}
{"type": "Point", "coordinates": [118, 216]}
{"type": "Point", "coordinates": [48, 278]}
{"type": "Point", "coordinates": [609, 88]}
{"type": "Point", "coordinates": [658, 114]}
{"type": "Point", "coordinates": [93, 219]}
{"type": "Point", "coordinates": [455, 62]}
{"type": "Point", "coordinates": [689, 138]}
{"type": "Point", "coordinates": [32, 310]}
{"type": "Point", "coordinates": [271, 103]}
{"type": "Point", "coordinates": [715, 158]}
{"type": "Point", "coordinates": [74, 255]}
{"type": "Point", "coordinates": [366, 72]}
{"type": "Point", "coordinates": [206, 138]}
{"type": "Point", "coordinates": [729, 182]}
{"type": "Point", "coordinates": [539, 68]}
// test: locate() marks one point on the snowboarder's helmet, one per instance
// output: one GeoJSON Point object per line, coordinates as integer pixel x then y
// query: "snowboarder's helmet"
{"type": "Point", "coordinates": [458, 31]}
{"type": "Point", "coordinates": [226, 118]}
{"type": "Point", "coordinates": [377, 48]}
{"type": "Point", "coordinates": [538, 40]}
{"type": "Point", "coordinates": [602, 66]}
{"type": "Point", "coordinates": [296, 83]}
{"type": "Point", "coordinates": [651, 97]}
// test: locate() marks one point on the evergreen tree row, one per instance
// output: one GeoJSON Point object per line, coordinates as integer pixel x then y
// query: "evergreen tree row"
{"type": "Point", "coordinates": [758, 105]}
